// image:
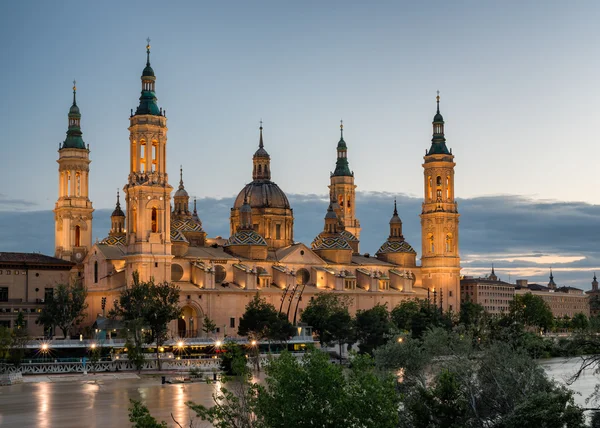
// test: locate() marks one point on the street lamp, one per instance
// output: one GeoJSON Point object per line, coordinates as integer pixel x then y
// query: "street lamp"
{"type": "Point", "coordinates": [253, 343]}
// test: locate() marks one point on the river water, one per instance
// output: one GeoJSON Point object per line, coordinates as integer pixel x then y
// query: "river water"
{"type": "Point", "coordinates": [105, 403]}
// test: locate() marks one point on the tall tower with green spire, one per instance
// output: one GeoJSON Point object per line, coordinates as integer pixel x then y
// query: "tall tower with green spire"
{"type": "Point", "coordinates": [440, 259]}
{"type": "Point", "coordinates": [73, 209]}
{"type": "Point", "coordinates": [147, 192]}
{"type": "Point", "coordinates": [343, 189]}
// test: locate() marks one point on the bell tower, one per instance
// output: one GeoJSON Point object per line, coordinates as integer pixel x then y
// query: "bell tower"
{"type": "Point", "coordinates": [73, 209]}
{"type": "Point", "coordinates": [343, 189]}
{"type": "Point", "coordinates": [147, 192]}
{"type": "Point", "coordinates": [440, 258]}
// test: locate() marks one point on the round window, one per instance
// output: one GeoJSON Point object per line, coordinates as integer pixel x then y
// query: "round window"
{"type": "Point", "coordinates": [176, 272]}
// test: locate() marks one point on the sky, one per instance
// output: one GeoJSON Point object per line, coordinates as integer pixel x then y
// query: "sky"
{"type": "Point", "coordinates": [518, 93]}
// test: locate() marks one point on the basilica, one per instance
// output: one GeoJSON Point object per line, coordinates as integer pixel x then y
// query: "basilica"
{"type": "Point", "coordinates": [158, 232]}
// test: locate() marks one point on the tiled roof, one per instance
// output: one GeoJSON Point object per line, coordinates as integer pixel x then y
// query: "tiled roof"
{"type": "Point", "coordinates": [396, 247]}
{"type": "Point", "coordinates": [32, 258]}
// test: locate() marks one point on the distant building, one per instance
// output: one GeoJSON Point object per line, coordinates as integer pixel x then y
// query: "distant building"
{"type": "Point", "coordinates": [26, 281]}
{"type": "Point", "coordinates": [563, 301]}
{"type": "Point", "coordinates": [491, 293]}
{"type": "Point", "coordinates": [594, 296]}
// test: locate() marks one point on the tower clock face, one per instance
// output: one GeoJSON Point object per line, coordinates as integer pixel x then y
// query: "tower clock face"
{"type": "Point", "coordinates": [78, 256]}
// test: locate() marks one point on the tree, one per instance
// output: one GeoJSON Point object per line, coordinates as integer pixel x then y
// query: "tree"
{"type": "Point", "coordinates": [208, 325]}
{"type": "Point", "coordinates": [163, 307]}
{"type": "Point", "coordinates": [372, 328]}
{"type": "Point", "coordinates": [140, 416]}
{"type": "Point", "coordinates": [531, 311]}
{"type": "Point", "coordinates": [340, 329]}
{"type": "Point", "coordinates": [20, 337]}
{"type": "Point", "coordinates": [262, 321]}
{"type": "Point", "coordinates": [5, 345]}
{"type": "Point", "coordinates": [403, 314]}
{"type": "Point", "coordinates": [147, 305]}
{"type": "Point", "coordinates": [314, 392]}
{"type": "Point", "coordinates": [471, 314]}
{"type": "Point", "coordinates": [579, 322]}
{"type": "Point", "coordinates": [319, 310]}
{"type": "Point", "coordinates": [418, 316]}
{"type": "Point", "coordinates": [65, 308]}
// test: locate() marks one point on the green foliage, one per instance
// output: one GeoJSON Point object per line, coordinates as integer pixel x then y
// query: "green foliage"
{"type": "Point", "coordinates": [208, 325]}
{"type": "Point", "coordinates": [135, 354]}
{"type": "Point", "coordinates": [233, 359]}
{"type": "Point", "coordinates": [5, 345]}
{"type": "Point", "coordinates": [471, 314]}
{"type": "Point", "coordinates": [493, 385]}
{"type": "Point", "coordinates": [372, 328]}
{"type": "Point", "coordinates": [531, 311]}
{"type": "Point", "coordinates": [148, 305]}
{"type": "Point", "coordinates": [314, 392]}
{"type": "Point", "coordinates": [579, 322]}
{"type": "Point", "coordinates": [328, 315]}
{"type": "Point", "coordinates": [417, 316]}
{"type": "Point", "coordinates": [140, 416]}
{"type": "Point", "coordinates": [262, 321]}
{"type": "Point", "coordinates": [65, 309]}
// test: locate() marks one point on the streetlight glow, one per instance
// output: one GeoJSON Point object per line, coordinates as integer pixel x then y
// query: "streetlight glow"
{"type": "Point", "coordinates": [180, 344]}
{"type": "Point", "coordinates": [253, 343]}
{"type": "Point", "coordinates": [218, 343]}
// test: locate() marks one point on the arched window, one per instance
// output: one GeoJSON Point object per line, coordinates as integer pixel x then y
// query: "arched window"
{"type": "Point", "coordinates": [154, 220]}
{"type": "Point", "coordinates": [449, 243]}
{"type": "Point", "coordinates": [154, 156]}
{"type": "Point", "coordinates": [77, 236]}
{"type": "Point", "coordinates": [69, 190]}
{"type": "Point", "coordinates": [95, 272]}
{"type": "Point", "coordinates": [220, 274]}
{"type": "Point", "coordinates": [302, 276]}
{"type": "Point", "coordinates": [142, 156]}
{"type": "Point", "coordinates": [431, 243]}
{"type": "Point", "coordinates": [134, 221]}
{"type": "Point", "coordinates": [77, 184]}
{"type": "Point", "coordinates": [430, 187]}
{"type": "Point", "coordinates": [260, 169]}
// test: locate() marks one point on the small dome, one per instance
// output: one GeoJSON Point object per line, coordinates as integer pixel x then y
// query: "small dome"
{"type": "Point", "coordinates": [262, 194]}
{"type": "Point", "coordinates": [349, 237]}
{"type": "Point", "coordinates": [438, 117]}
{"type": "Point", "coordinates": [245, 208]}
{"type": "Point", "coordinates": [396, 247]}
{"type": "Point", "coordinates": [330, 243]}
{"type": "Point", "coordinates": [74, 110]}
{"type": "Point", "coordinates": [330, 214]}
{"type": "Point", "coordinates": [246, 237]}
{"type": "Point", "coordinates": [118, 212]}
{"type": "Point", "coordinates": [261, 153]}
{"type": "Point", "coordinates": [148, 71]}
{"type": "Point", "coordinates": [395, 219]}
{"type": "Point", "coordinates": [181, 192]}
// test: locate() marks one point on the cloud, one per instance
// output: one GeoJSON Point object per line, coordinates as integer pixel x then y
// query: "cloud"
{"type": "Point", "coordinates": [8, 204]}
{"type": "Point", "coordinates": [522, 236]}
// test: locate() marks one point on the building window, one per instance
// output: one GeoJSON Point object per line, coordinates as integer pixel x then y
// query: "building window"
{"type": "Point", "coordinates": [77, 236]}
{"type": "Point", "coordinates": [154, 220]}
{"type": "Point", "coordinates": [4, 294]}
{"type": "Point", "coordinates": [277, 231]}
{"type": "Point", "coordinates": [95, 272]}
{"type": "Point", "coordinates": [48, 294]}
{"type": "Point", "coordinates": [5, 323]}
{"type": "Point", "coordinates": [232, 322]}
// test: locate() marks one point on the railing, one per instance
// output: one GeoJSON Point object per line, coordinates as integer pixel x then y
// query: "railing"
{"type": "Point", "coordinates": [65, 367]}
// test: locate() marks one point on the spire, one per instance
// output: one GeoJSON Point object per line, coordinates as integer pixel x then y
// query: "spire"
{"type": "Point", "coordinates": [246, 215]}
{"type": "Point", "coordinates": [395, 208]}
{"type": "Point", "coordinates": [342, 168]}
{"type": "Point", "coordinates": [551, 284]}
{"type": "Point", "coordinates": [493, 276]}
{"type": "Point", "coordinates": [438, 142]}
{"type": "Point", "coordinates": [118, 212]}
{"type": "Point", "coordinates": [261, 160]}
{"type": "Point", "coordinates": [181, 177]}
{"type": "Point", "coordinates": [493, 273]}
{"type": "Point", "coordinates": [260, 144]}
{"type": "Point", "coordinates": [395, 225]}
{"type": "Point", "coordinates": [74, 140]}
{"type": "Point", "coordinates": [148, 100]}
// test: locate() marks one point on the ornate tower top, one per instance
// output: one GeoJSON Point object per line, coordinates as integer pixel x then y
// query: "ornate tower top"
{"type": "Point", "coordinates": [551, 284]}
{"type": "Point", "coordinates": [438, 142]}
{"type": "Point", "coordinates": [341, 165]}
{"type": "Point", "coordinates": [595, 283]}
{"type": "Point", "coordinates": [74, 140]}
{"type": "Point", "coordinates": [148, 100]}
{"type": "Point", "coordinates": [261, 160]}
{"type": "Point", "coordinates": [118, 212]}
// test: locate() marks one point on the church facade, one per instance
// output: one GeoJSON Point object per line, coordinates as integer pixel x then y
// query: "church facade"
{"type": "Point", "coordinates": [161, 236]}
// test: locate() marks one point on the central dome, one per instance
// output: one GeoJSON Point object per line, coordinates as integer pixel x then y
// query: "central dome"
{"type": "Point", "coordinates": [262, 194]}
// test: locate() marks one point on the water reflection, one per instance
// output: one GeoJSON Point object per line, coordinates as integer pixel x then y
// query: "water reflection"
{"type": "Point", "coordinates": [106, 403]}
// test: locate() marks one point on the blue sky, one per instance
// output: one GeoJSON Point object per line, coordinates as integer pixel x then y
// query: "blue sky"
{"type": "Point", "coordinates": [518, 83]}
